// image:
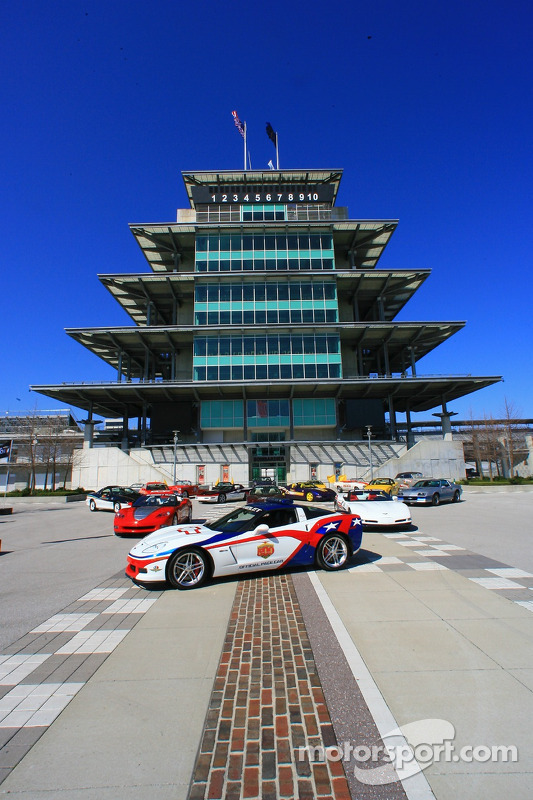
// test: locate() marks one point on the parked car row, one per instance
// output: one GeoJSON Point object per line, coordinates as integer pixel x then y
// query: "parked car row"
{"type": "Point", "coordinates": [270, 531]}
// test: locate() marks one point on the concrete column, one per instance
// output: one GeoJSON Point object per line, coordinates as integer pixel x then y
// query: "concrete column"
{"type": "Point", "coordinates": [413, 362]}
{"type": "Point", "coordinates": [244, 417]}
{"type": "Point", "coordinates": [88, 434]}
{"type": "Point", "coordinates": [410, 434]}
{"type": "Point", "coordinates": [88, 431]}
{"type": "Point", "coordinates": [386, 358]}
{"type": "Point", "coordinates": [143, 425]}
{"type": "Point", "coordinates": [392, 417]}
{"type": "Point", "coordinates": [124, 443]}
{"type": "Point", "coordinates": [445, 417]}
{"type": "Point", "coordinates": [291, 422]}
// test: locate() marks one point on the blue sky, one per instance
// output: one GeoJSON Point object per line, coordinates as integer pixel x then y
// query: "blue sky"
{"type": "Point", "coordinates": [427, 107]}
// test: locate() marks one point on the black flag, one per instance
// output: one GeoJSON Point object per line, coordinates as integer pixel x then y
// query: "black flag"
{"type": "Point", "coordinates": [272, 135]}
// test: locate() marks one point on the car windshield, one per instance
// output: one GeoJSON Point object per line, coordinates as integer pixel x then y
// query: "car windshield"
{"type": "Point", "coordinates": [155, 500]}
{"type": "Point", "coordinates": [354, 496]}
{"type": "Point", "coordinates": [425, 484]}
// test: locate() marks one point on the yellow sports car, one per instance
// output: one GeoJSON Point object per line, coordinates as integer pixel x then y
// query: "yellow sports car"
{"type": "Point", "coordinates": [383, 485]}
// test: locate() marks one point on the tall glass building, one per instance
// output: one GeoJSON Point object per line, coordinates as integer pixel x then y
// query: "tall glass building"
{"type": "Point", "coordinates": [265, 333]}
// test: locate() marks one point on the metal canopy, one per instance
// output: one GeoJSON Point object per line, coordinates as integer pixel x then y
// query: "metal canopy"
{"type": "Point", "coordinates": [134, 292]}
{"type": "Point", "coordinates": [113, 344]}
{"type": "Point", "coordinates": [116, 399]}
{"type": "Point", "coordinates": [281, 178]}
{"type": "Point", "coordinates": [170, 247]}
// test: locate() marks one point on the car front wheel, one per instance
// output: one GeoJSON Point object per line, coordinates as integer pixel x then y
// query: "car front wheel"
{"type": "Point", "coordinates": [455, 497]}
{"type": "Point", "coordinates": [187, 569]}
{"type": "Point", "coordinates": [435, 500]}
{"type": "Point", "coordinates": [333, 552]}
{"type": "Point", "coordinates": [309, 497]}
{"type": "Point", "coordinates": [116, 507]}
{"type": "Point", "coordinates": [92, 505]}
{"type": "Point", "coordinates": [221, 498]}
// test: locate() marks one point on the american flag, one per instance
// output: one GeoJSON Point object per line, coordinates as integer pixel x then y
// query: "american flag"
{"type": "Point", "coordinates": [239, 125]}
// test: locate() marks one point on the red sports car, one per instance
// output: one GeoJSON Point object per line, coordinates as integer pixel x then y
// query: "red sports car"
{"type": "Point", "coordinates": [185, 488]}
{"type": "Point", "coordinates": [151, 512]}
{"type": "Point", "coordinates": [154, 487]}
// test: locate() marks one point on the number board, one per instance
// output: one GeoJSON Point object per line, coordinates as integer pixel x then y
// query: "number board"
{"type": "Point", "coordinates": [275, 194]}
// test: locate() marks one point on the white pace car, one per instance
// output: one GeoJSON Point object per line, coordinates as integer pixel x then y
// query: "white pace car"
{"type": "Point", "coordinates": [262, 536]}
{"type": "Point", "coordinates": [376, 509]}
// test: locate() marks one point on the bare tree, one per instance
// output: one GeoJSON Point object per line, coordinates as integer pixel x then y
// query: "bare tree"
{"type": "Point", "coordinates": [511, 414]}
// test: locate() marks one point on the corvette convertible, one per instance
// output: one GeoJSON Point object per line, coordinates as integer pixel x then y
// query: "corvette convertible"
{"type": "Point", "coordinates": [111, 498]}
{"type": "Point", "coordinates": [310, 491]}
{"type": "Point", "coordinates": [253, 538]}
{"type": "Point", "coordinates": [221, 492]}
{"type": "Point", "coordinates": [151, 512]}
{"type": "Point", "coordinates": [376, 509]}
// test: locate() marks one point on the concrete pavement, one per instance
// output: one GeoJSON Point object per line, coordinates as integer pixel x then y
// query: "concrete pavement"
{"type": "Point", "coordinates": [417, 629]}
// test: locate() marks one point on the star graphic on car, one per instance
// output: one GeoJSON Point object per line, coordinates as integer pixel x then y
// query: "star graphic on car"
{"type": "Point", "coordinates": [332, 526]}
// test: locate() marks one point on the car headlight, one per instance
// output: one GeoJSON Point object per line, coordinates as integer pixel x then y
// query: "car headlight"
{"type": "Point", "coordinates": [153, 548]}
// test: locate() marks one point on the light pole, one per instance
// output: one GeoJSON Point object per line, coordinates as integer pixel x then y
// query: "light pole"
{"type": "Point", "coordinates": [176, 440]}
{"type": "Point", "coordinates": [369, 434]}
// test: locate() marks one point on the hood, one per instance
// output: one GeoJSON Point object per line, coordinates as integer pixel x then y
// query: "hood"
{"type": "Point", "coordinates": [391, 508]}
{"type": "Point", "coordinates": [168, 539]}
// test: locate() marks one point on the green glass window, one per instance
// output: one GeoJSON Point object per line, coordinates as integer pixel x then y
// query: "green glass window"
{"type": "Point", "coordinates": [267, 413]}
{"type": "Point", "coordinates": [284, 302]}
{"type": "Point", "coordinates": [273, 356]}
{"type": "Point", "coordinates": [221, 414]}
{"type": "Point", "coordinates": [314, 412]}
{"type": "Point", "coordinates": [273, 251]}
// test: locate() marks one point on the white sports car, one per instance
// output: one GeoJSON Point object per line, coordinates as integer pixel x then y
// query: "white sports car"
{"type": "Point", "coordinates": [376, 509]}
{"type": "Point", "coordinates": [257, 537]}
{"type": "Point", "coordinates": [349, 484]}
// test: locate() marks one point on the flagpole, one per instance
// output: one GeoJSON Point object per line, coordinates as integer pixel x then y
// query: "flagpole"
{"type": "Point", "coordinates": [245, 146]}
{"type": "Point", "coordinates": [277, 152]}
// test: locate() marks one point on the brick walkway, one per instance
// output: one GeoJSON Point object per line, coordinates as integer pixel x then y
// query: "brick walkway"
{"type": "Point", "coordinates": [267, 703]}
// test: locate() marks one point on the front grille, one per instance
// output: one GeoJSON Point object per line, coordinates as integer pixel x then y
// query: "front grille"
{"type": "Point", "coordinates": [138, 529]}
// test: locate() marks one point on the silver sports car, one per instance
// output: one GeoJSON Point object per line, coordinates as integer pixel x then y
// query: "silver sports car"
{"type": "Point", "coordinates": [431, 491]}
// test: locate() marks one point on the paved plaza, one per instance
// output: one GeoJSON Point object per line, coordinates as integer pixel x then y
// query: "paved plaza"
{"type": "Point", "coordinates": [237, 690]}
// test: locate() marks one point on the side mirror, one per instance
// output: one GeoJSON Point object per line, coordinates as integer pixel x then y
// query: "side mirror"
{"type": "Point", "coordinates": [262, 530]}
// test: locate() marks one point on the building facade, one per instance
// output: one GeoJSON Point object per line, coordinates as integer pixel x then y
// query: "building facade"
{"type": "Point", "coordinates": [265, 335]}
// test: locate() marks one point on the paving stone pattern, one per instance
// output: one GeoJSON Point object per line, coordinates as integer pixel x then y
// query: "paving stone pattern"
{"type": "Point", "coordinates": [42, 671]}
{"type": "Point", "coordinates": [429, 552]}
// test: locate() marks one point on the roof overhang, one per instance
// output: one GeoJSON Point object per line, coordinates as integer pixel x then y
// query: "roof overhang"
{"type": "Point", "coordinates": [134, 292]}
{"type": "Point", "coordinates": [170, 246]}
{"type": "Point", "coordinates": [112, 345]}
{"type": "Point", "coordinates": [117, 399]}
{"type": "Point", "coordinates": [218, 179]}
